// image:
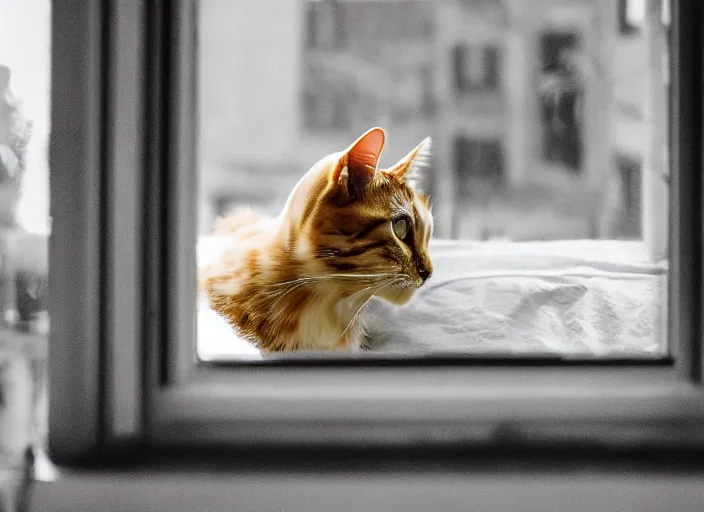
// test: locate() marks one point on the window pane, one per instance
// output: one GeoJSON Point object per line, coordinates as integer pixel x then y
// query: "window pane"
{"type": "Point", "coordinates": [548, 175]}
{"type": "Point", "coordinates": [25, 37]}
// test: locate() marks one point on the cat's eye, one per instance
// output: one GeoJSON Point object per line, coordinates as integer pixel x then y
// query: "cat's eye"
{"type": "Point", "coordinates": [401, 227]}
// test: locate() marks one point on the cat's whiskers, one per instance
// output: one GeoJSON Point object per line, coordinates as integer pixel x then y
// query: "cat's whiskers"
{"type": "Point", "coordinates": [280, 295]}
{"type": "Point", "coordinates": [332, 277]}
{"type": "Point", "coordinates": [285, 288]}
{"type": "Point", "coordinates": [376, 289]}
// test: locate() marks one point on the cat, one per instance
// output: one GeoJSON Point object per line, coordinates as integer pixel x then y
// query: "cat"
{"type": "Point", "coordinates": [348, 231]}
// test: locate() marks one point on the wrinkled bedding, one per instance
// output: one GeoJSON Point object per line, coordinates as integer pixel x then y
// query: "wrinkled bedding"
{"type": "Point", "coordinates": [580, 298]}
{"type": "Point", "coordinates": [588, 298]}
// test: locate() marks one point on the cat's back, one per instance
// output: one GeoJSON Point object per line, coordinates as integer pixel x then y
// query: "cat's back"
{"type": "Point", "coordinates": [241, 221]}
{"type": "Point", "coordinates": [228, 251]}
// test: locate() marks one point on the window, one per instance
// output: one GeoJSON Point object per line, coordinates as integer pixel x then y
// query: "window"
{"type": "Point", "coordinates": [123, 246]}
{"type": "Point", "coordinates": [478, 158]}
{"type": "Point", "coordinates": [480, 173]}
{"type": "Point", "coordinates": [325, 28]}
{"type": "Point", "coordinates": [475, 68]}
{"type": "Point", "coordinates": [630, 171]}
{"type": "Point", "coordinates": [532, 164]}
{"type": "Point", "coordinates": [563, 132]}
{"type": "Point", "coordinates": [378, 73]}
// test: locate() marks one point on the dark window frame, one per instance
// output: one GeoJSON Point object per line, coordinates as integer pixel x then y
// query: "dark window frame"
{"type": "Point", "coordinates": [491, 70]}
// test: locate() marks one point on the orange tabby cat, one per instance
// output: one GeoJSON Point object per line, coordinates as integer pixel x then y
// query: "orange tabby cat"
{"type": "Point", "coordinates": [348, 231]}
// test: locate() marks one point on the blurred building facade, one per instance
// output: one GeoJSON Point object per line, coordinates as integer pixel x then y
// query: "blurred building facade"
{"type": "Point", "coordinates": [534, 106]}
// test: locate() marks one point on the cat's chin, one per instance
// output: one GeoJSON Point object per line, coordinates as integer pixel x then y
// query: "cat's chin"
{"type": "Point", "coordinates": [397, 296]}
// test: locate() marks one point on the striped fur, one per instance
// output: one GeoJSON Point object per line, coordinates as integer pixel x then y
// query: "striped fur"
{"type": "Point", "coordinates": [298, 282]}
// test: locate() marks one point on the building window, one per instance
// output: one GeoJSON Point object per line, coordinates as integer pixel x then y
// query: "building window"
{"type": "Point", "coordinates": [491, 66]}
{"type": "Point", "coordinates": [325, 28]}
{"type": "Point", "coordinates": [126, 271]}
{"type": "Point", "coordinates": [561, 100]}
{"type": "Point", "coordinates": [327, 106]}
{"type": "Point", "coordinates": [478, 160]}
{"type": "Point", "coordinates": [630, 173]}
{"type": "Point", "coordinates": [476, 68]}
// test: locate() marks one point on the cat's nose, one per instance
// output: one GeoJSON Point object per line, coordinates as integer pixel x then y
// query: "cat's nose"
{"type": "Point", "coordinates": [424, 273]}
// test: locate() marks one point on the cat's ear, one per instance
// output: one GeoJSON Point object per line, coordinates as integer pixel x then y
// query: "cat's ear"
{"type": "Point", "coordinates": [410, 167]}
{"type": "Point", "coordinates": [359, 162]}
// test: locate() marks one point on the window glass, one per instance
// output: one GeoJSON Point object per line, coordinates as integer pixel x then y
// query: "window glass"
{"type": "Point", "coordinates": [548, 173]}
{"type": "Point", "coordinates": [25, 36]}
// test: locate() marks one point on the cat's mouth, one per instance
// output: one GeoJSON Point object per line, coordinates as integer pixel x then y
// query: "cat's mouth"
{"type": "Point", "coordinates": [401, 292]}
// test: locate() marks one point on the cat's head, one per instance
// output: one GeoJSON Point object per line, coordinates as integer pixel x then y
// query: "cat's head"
{"type": "Point", "coordinates": [370, 226]}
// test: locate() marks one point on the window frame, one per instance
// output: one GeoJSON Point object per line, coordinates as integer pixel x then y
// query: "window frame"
{"type": "Point", "coordinates": [491, 77]}
{"type": "Point", "coordinates": [122, 366]}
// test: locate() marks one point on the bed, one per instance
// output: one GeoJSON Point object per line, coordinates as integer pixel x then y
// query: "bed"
{"type": "Point", "coordinates": [586, 298]}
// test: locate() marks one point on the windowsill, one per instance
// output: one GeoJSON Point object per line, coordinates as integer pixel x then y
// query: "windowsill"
{"type": "Point", "coordinates": [385, 480]}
